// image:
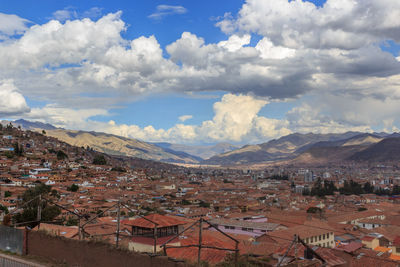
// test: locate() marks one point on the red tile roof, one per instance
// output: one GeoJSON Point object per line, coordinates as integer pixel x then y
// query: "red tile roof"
{"type": "Point", "coordinates": [368, 238]}
{"type": "Point", "coordinates": [161, 220]}
{"type": "Point", "coordinates": [351, 247]}
{"type": "Point", "coordinates": [396, 241]}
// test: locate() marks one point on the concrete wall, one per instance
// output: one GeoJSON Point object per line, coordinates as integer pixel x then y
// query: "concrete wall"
{"type": "Point", "coordinates": [88, 254]}
{"type": "Point", "coordinates": [12, 239]}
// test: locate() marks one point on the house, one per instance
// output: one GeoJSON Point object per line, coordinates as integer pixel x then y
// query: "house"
{"type": "Point", "coordinates": [152, 231]}
{"type": "Point", "coordinates": [245, 227]}
{"type": "Point", "coordinates": [395, 249]}
{"type": "Point", "coordinates": [311, 234]}
{"type": "Point", "coordinates": [375, 240]}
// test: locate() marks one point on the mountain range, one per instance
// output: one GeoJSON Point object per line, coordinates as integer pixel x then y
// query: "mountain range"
{"type": "Point", "coordinates": [296, 148]}
{"type": "Point", "coordinates": [122, 146]}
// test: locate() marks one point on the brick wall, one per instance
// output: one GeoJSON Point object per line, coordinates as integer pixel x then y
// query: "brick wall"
{"type": "Point", "coordinates": [89, 253]}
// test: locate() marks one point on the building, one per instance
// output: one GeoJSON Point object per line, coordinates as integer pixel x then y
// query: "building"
{"type": "Point", "coordinates": [152, 231]}
{"type": "Point", "coordinates": [245, 227]}
{"type": "Point", "coordinates": [311, 234]}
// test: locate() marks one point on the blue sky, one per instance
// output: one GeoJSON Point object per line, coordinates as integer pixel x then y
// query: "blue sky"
{"type": "Point", "coordinates": [293, 84]}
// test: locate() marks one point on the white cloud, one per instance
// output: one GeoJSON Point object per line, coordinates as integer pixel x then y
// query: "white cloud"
{"type": "Point", "coordinates": [65, 117]}
{"type": "Point", "coordinates": [11, 101]}
{"type": "Point", "coordinates": [11, 25]}
{"type": "Point", "coordinates": [235, 119]}
{"type": "Point", "coordinates": [64, 14]}
{"type": "Point", "coordinates": [337, 24]}
{"type": "Point", "coordinates": [166, 10]}
{"type": "Point", "coordinates": [70, 13]}
{"type": "Point", "coordinates": [184, 118]}
{"type": "Point", "coordinates": [304, 50]}
{"type": "Point", "coordinates": [235, 42]}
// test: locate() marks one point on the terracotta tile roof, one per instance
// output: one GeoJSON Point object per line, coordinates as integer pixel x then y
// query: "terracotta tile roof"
{"type": "Point", "coordinates": [394, 257]}
{"type": "Point", "coordinates": [161, 220]}
{"type": "Point", "coordinates": [368, 238]}
{"type": "Point", "coordinates": [58, 230]}
{"type": "Point", "coordinates": [210, 255]}
{"type": "Point", "coordinates": [382, 249]}
{"type": "Point", "coordinates": [351, 247]}
{"type": "Point", "coordinates": [396, 241]}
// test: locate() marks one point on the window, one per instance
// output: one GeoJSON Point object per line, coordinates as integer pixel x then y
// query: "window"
{"type": "Point", "coordinates": [312, 240]}
{"type": "Point", "coordinates": [320, 237]}
{"type": "Point", "coordinates": [327, 235]}
{"type": "Point", "coordinates": [307, 240]}
{"type": "Point", "coordinates": [323, 236]}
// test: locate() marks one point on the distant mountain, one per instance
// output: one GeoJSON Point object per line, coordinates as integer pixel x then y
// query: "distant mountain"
{"type": "Point", "coordinates": [293, 149]}
{"type": "Point", "coordinates": [384, 151]}
{"type": "Point", "coordinates": [117, 145]}
{"type": "Point", "coordinates": [362, 147]}
{"type": "Point", "coordinates": [31, 125]}
{"type": "Point", "coordinates": [111, 144]}
{"type": "Point", "coordinates": [202, 152]}
{"type": "Point", "coordinates": [286, 147]}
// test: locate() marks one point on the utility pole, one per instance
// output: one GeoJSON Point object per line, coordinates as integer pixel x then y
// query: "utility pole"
{"type": "Point", "coordinates": [155, 239]}
{"type": "Point", "coordinates": [200, 241]}
{"type": "Point", "coordinates": [287, 251]}
{"type": "Point", "coordinates": [295, 250]}
{"type": "Point", "coordinates": [79, 228]}
{"type": "Point", "coordinates": [118, 220]}
{"type": "Point", "coordinates": [39, 211]}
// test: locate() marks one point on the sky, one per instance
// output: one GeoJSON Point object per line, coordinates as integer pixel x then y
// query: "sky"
{"type": "Point", "coordinates": [202, 72]}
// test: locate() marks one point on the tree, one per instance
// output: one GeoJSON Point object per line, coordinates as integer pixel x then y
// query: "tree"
{"type": "Point", "coordinates": [328, 188]}
{"type": "Point", "coordinates": [395, 190]}
{"type": "Point", "coordinates": [99, 160]}
{"type": "Point", "coordinates": [204, 204]}
{"type": "Point", "coordinates": [118, 169]}
{"type": "Point", "coordinates": [72, 221]}
{"type": "Point", "coordinates": [73, 188]}
{"type": "Point", "coordinates": [314, 210]}
{"type": "Point", "coordinates": [351, 188]}
{"type": "Point", "coordinates": [186, 202]}
{"type": "Point", "coordinates": [61, 155]}
{"type": "Point", "coordinates": [4, 209]}
{"type": "Point", "coordinates": [368, 188]}
{"type": "Point", "coordinates": [18, 149]}
{"type": "Point", "coordinates": [7, 194]}
{"type": "Point", "coordinates": [43, 132]}
{"type": "Point", "coordinates": [30, 211]}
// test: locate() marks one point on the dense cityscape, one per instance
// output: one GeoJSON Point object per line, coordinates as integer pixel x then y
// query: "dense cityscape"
{"type": "Point", "coordinates": [348, 214]}
{"type": "Point", "coordinates": [175, 133]}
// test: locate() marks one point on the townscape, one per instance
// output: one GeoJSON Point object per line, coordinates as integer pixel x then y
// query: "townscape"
{"type": "Point", "coordinates": [176, 133]}
{"type": "Point", "coordinates": [347, 215]}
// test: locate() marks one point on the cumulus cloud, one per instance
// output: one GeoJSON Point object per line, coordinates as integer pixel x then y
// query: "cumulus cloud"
{"type": "Point", "coordinates": [330, 52]}
{"type": "Point", "coordinates": [11, 101]}
{"type": "Point", "coordinates": [235, 119]}
{"type": "Point", "coordinates": [337, 24]}
{"type": "Point", "coordinates": [65, 117]}
{"type": "Point", "coordinates": [166, 10]}
{"type": "Point", "coordinates": [11, 25]}
{"type": "Point", "coordinates": [88, 56]}
{"type": "Point", "coordinates": [184, 118]}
